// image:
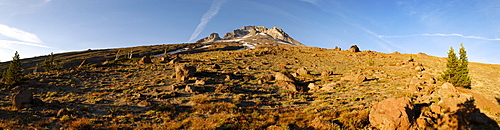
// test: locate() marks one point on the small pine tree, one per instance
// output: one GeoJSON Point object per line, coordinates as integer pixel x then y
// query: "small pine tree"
{"type": "Point", "coordinates": [457, 72]}
{"type": "Point", "coordinates": [463, 80]}
{"type": "Point", "coordinates": [14, 74]}
{"type": "Point", "coordinates": [50, 64]}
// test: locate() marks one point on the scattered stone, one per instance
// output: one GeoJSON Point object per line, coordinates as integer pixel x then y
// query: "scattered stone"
{"type": "Point", "coordinates": [144, 103]}
{"type": "Point", "coordinates": [38, 102]}
{"type": "Point", "coordinates": [145, 60]}
{"type": "Point", "coordinates": [216, 66]}
{"type": "Point", "coordinates": [302, 71]}
{"type": "Point", "coordinates": [228, 78]}
{"type": "Point", "coordinates": [199, 82]}
{"type": "Point", "coordinates": [22, 98]}
{"type": "Point", "coordinates": [183, 72]}
{"type": "Point", "coordinates": [329, 87]}
{"type": "Point", "coordinates": [354, 48]}
{"type": "Point", "coordinates": [419, 68]}
{"type": "Point", "coordinates": [313, 87]}
{"type": "Point", "coordinates": [326, 73]}
{"type": "Point", "coordinates": [176, 59]}
{"type": "Point", "coordinates": [164, 59]}
{"type": "Point", "coordinates": [248, 67]}
{"type": "Point", "coordinates": [392, 113]}
{"type": "Point", "coordinates": [286, 85]}
{"type": "Point", "coordinates": [224, 89]}
{"type": "Point", "coordinates": [337, 48]}
{"type": "Point", "coordinates": [189, 88]}
{"type": "Point", "coordinates": [284, 76]}
{"type": "Point", "coordinates": [174, 87]}
{"type": "Point", "coordinates": [358, 78]}
{"type": "Point", "coordinates": [62, 112]}
{"type": "Point", "coordinates": [314, 55]}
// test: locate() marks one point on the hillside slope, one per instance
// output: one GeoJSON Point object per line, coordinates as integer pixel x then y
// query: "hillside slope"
{"type": "Point", "coordinates": [236, 86]}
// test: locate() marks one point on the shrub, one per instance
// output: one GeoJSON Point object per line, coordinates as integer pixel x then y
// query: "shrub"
{"type": "Point", "coordinates": [50, 64]}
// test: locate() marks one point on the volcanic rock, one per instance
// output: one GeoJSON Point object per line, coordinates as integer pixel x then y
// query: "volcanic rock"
{"type": "Point", "coordinates": [392, 113]}
{"type": "Point", "coordinates": [213, 37]}
{"type": "Point", "coordinates": [22, 98]}
{"type": "Point", "coordinates": [183, 72]}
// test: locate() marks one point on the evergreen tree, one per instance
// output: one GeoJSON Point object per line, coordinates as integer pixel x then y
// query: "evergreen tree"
{"type": "Point", "coordinates": [14, 74]}
{"type": "Point", "coordinates": [463, 72]}
{"type": "Point", "coordinates": [451, 65]}
{"type": "Point", "coordinates": [50, 64]}
{"type": "Point", "coordinates": [457, 71]}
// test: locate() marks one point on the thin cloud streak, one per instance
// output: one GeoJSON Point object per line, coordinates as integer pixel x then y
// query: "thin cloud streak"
{"type": "Point", "coordinates": [442, 35]}
{"type": "Point", "coordinates": [6, 44]}
{"type": "Point", "coordinates": [214, 9]}
{"type": "Point", "coordinates": [19, 34]}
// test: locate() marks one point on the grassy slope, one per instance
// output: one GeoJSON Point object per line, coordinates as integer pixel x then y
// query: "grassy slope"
{"type": "Point", "coordinates": [107, 97]}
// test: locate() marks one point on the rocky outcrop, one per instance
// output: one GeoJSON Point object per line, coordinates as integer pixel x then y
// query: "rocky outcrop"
{"type": "Point", "coordinates": [392, 113]}
{"type": "Point", "coordinates": [256, 32]}
{"type": "Point", "coordinates": [302, 71]}
{"type": "Point", "coordinates": [212, 38]}
{"type": "Point", "coordinates": [285, 81]}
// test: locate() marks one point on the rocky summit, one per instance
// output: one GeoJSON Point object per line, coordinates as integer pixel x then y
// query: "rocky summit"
{"type": "Point", "coordinates": [252, 78]}
{"type": "Point", "coordinates": [254, 35]}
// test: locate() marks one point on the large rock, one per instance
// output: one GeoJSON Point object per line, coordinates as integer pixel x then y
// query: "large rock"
{"type": "Point", "coordinates": [337, 48]}
{"type": "Point", "coordinates": [145, 60]}
{"type": "Point", "coordinates": [392, 113]}
{"type": "Point", "coordinates": [302, 71]}
{"type": "Point", "coordinates": [183, 72]}
{"type": "Point", "coordinates": [358, 78]}
{"type": "Point", "coordinates": [286, 85]}
{"type": "Point", "coordinates": [283, 76]}
{"type": "Point", "coordinates": [354, 48]}
{"type": "Point", "coordinates": [21, 99]}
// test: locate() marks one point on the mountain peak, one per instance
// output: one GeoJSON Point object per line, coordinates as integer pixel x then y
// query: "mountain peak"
{"type": "Point", "coordinates": [254, 34]}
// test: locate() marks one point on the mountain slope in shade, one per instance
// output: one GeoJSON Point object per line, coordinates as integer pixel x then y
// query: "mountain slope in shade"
{"type": "Point", "coordinates": [254, 34]}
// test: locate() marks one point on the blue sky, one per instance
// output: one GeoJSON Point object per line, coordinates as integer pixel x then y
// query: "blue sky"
{"type": "Point", "coordinates": [39, 27]}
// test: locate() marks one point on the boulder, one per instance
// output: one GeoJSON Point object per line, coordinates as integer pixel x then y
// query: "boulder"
{"type": "Point", "coordinates": [216, 66]}
{"type": "Point", "coordinates": [183, 72]}
{"type": "Point", "coordinates": [329, 87]}
{"type": "Point", "coordinates": [326, 73]}
{"type": "Point", "coordinates": [419, 68]}
{"type": "Point", "coordinates": [358, 78]}
{"type": "Point", "coordinates": [22, 98]}
{"type": "Point", "coordinates": [199, 82]}
{"type": "Point", "coordinates": [224, 89]}
{"type": "Point", "coordinates": [354, 48]}
{"type": "Point", "coordinates": [284, 76]}
{"type": "Point", "coordinates": [144, 103]}
{"type": "Point", "coordinates": [302, 71]}
{"type": "Point", "coordinates": [313, 87]}
{"type": "Point", "coordinates": [286, 85]}
{"type": "Point", "coordinates": [62, 112]}
{"type": "Point", "coordinates": [337, 48]}
{"type": "Point", "coordinates": [392, 113]}
{"type": "Point", "coordinates": [189, 88]}
{"type": "Point", "coordinates": [176, 59]}
{"type": "Point", "coordinates": [145, 60]}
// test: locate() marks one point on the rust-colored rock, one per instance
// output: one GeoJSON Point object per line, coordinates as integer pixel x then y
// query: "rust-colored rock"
{"type": "Point", "coordinates": [302, 71]}
{"type": "Point", "coordinates": [284, 76]}
{"type": "Point", "coordinates": [392, 113]}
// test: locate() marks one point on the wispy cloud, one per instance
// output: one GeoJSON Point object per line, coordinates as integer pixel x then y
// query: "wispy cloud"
{"type": "Point", "coordinates": [214, 9]}
{"type": "Point", "coordinates": [19, 34]}
{"type": "Point", "coordinates": [314, 2]}
{"type": "Point", "coordinates": [442, 35]}
{"type": "Point", "coordinates": [21, 38]}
